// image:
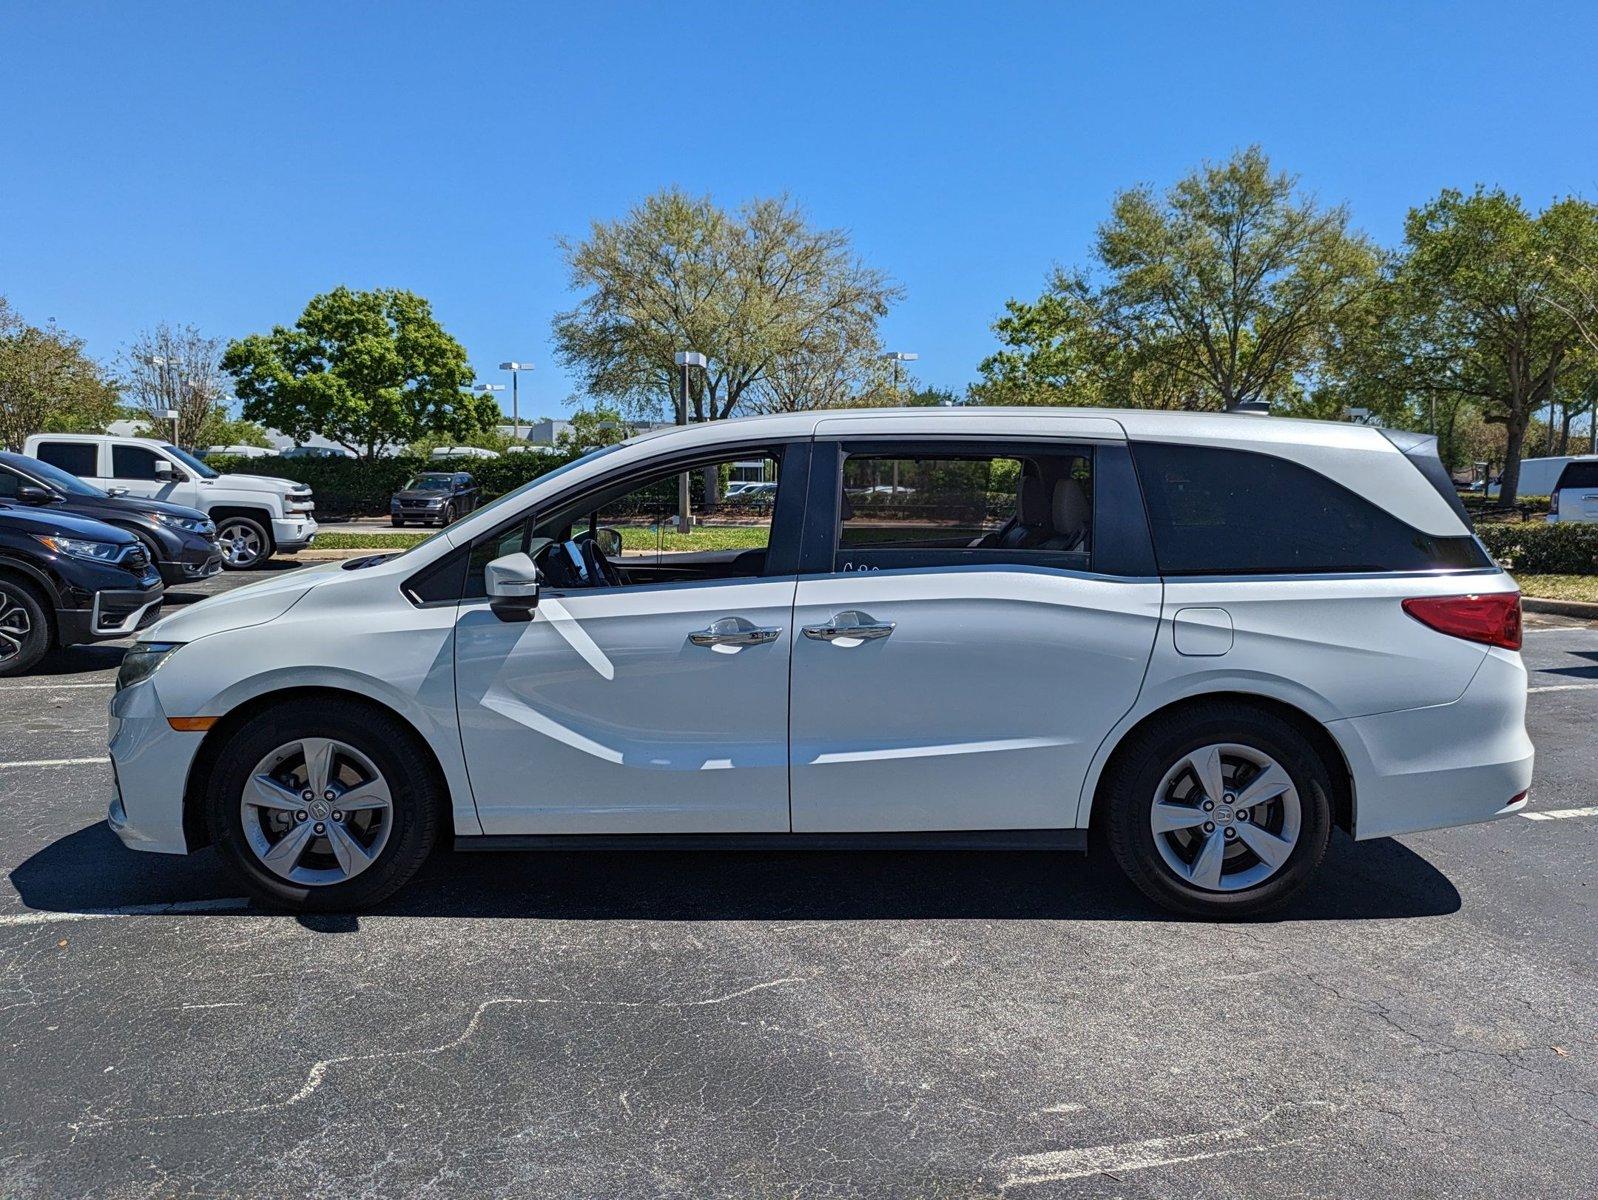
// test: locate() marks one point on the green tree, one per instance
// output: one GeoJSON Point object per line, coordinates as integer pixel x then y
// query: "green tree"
{"type": "Point", "coordinates": [1485, 310]}
{"type": "Point", "coordinates": [368, 370]}
{"type": "Point", "coordinates": [47, 383]}
{"type": "Point", "coordinates": [749, 289]}
{"type": "Point", "coordinates": [592, 428]}
{"type": "Point", "coordinates": [1221, 291]}
{"type": "Point", "coordinates": [173, 368]}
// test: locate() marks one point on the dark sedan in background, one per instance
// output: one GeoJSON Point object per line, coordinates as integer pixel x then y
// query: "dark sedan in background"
{"type": "Point", "coordinates": [434, 498]}
{"type": "Point", "coordinates": [180, 541]}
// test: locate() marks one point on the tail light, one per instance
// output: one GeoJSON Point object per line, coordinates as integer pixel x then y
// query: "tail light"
{"type": "Point", "coordinates": [1553, 504]}
{"type": "Point", "coordinates": [1493, 618]}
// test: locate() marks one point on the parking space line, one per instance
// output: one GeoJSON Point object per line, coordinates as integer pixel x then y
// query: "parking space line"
{"type": "Point", "coordinates": [54, 762]}
{"type": "Point", "coordinates": [232, 904]}
{"type": "Point", "coordinates": [1561, 814]}
{"type": "Point", "coordinates": [53, 687]}
{"type": "Point", "coordinates": [1562, 687]}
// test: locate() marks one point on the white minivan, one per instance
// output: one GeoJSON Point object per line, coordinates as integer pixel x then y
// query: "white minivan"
{"type": "Point", "coordinates": [1209, 637]}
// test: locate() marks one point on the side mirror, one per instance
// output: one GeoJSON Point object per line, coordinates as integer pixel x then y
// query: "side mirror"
{"type": "Point", "coordinates": [608, 540]}
{"type": "Point", "coordinates": [512, 585]}
{"type": "Point", "coordinates": [163, 469]}
{"type": "Point", "coordinates": [31, 494]}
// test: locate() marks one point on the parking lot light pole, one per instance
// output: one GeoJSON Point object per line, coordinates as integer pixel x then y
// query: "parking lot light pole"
{"type": "Point", "coordinates": [515, 369]}
{"type": "Point", "coordinates": [896, 357]}
{"type": "Point", "coordinates": [685, 359]}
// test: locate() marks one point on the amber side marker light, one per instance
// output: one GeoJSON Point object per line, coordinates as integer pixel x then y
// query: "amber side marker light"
{"type": "Point", "coordinates": [192, 724]}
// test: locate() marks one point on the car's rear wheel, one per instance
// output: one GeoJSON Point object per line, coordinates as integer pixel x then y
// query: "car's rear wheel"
{"type": "Point", "coordinates": [324, 806]}
{"type": "Point", "coordinates": [244, 541]}
{"type": "Point", "coordinates": [1220, 812]}
{"type": "Point", "coordinates": [24, 628]}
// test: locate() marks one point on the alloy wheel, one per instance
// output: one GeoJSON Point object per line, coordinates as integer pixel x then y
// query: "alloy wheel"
{"type": "Point", "coordinates": [240, 542]}
{"type": "Point", "coordinates": [317, 811]}
{"type": "Point", "coordinates": [15, 628]}
{"type": "Point", "coordinates": [1226, 817]}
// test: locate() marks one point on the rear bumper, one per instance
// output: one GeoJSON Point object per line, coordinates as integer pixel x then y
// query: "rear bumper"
{"type": "Point", "coordinates": [1449, 764]}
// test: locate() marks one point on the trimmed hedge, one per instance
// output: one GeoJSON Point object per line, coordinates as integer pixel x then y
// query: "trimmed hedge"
{"type": "Point", "coordinates": [351, 487]}
{"type": "Point", "coordinates": [1538, 548]}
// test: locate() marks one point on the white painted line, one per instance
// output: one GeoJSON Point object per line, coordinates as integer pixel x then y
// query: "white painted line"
{"type": "Point", "coordinates": [1562, 687]}
{"type": "Point", "coordinates": [237, 904]}
{"type": "Point", "coordinates": [1558, 629]}
{"type": "Point", "coordinates": [55, 762]}
{"type": "Point", "coordinates": [53, 687]}
{"type": "Point", "coordinates": [1561, 814]}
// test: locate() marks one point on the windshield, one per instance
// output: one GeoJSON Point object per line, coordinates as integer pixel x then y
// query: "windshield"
{"type": "Point", "coordinates": [429, 483]}
{"type": "Point", "coordinates": [188, 460]}
{"type": "Point", "coordinates": [61, 480]}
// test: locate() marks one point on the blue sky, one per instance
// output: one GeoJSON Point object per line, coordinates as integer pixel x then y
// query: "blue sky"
{"type": "Point", "coordinates": [221, 163]}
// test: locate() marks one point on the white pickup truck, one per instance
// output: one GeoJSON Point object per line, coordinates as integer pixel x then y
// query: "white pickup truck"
{"type": "Point", "coordinates": [255, 515]}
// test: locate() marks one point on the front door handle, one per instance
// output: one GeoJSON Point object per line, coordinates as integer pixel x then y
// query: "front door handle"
{"type": "Point", "coordinates": [734, 631]}
{"type": "Point", "coordinates": [853, 624]}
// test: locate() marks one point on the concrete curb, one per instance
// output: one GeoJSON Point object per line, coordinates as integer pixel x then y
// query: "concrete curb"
{"type": "Point", "coordinates": [1561, 608]}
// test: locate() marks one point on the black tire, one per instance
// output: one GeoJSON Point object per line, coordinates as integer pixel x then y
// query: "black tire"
{"type": "Point", "coordinates": [418, 801]}
{"type": "Point", "coordinates": [447, 516]}
{"type": "Point", "coordinates": [397, 522]}
{"type": "Point", "coordinates": [1130, 790]}
{"type": "Point", "coordinates": [25, 631]}
{"type": "Point", "coordinates": [262, 535]}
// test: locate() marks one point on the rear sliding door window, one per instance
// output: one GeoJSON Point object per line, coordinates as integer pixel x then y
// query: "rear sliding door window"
{"type": "Point", "coordinates": [1233, 512]}
{"type": "Point", "coordinates": [76, 458]}
{"type": "Point", "coordinates": [933, 509]}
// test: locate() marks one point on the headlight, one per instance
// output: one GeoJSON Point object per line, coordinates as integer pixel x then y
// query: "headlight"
{"type": "Point", "coordinates": [188, 524]}
{"type": "Point", "coordinates": [141, 661]}
{"type": "Point", "coordinates": [106, 552]}
{"type": "Point", "coordinates": [435, 502]}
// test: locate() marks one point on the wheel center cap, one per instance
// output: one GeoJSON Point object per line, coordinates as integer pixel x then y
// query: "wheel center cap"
{"type": "Point", "coordinates": [1222, 814]}
{"type": "Point", "coordinates": [319, 809]}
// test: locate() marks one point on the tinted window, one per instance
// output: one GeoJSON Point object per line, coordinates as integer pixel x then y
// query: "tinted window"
{"type": "Point", "coordinates": [945, 508]}
{"type": "Point", "coordinates": [10, 484]}
{"type": "Point", "coordinates": [134, 462]}
{"type": "Point", "coordinates": [1234, 512]}
{"type": "Point", "coordinates": [1578, 475]}
{"type": "Point", "coordinates": [75, 458]}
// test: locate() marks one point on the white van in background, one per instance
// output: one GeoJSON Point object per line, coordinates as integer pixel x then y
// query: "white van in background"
{"type": "Point", "coordinates": [1539, 476]}
{"type": "Point", "coordinates": [255, 515]}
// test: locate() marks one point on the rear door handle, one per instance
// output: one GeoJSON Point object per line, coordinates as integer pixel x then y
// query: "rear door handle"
{"type": "Point", "coordinates": [734, 631]}
{"type": "Point", "coordinates": [852, 624]}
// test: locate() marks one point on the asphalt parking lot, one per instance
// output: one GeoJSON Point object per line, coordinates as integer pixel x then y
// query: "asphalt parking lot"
{"type": "Point", "coordinates": [904, 1024]}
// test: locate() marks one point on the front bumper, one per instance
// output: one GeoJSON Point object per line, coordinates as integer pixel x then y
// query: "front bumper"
{"type": "Point", "coordinates": [1448, 764]}
{"type": "Point", "coordinates": [149, 768]}
{"type": "Point", "coordinates": [192, 566]}
{"type": "Point", "coordinates": [293, 532]}
{"type": "Point", "coordinates": [114, 613]}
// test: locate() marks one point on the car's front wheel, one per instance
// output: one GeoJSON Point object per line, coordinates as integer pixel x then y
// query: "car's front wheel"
{"type": "Point", "coordinates": [24, 628]}
{"type": "Point", "coordinates": [1220, 812]}
{"type": "Point", "coordinates": [244, 542]}
{"type": "Point", "coordinates": [323, 806]}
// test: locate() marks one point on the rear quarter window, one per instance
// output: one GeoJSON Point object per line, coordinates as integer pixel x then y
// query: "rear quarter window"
{"type": "Point", "coordinates": [1578, 475]}
{"type": "Point", "coordinates": [76, 458]}
{"type": "Point", "coordinates": [1216, 511]}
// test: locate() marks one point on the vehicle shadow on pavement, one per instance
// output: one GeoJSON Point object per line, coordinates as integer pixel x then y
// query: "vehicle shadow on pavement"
{"type": "Point", "coordinates": [89, 870]}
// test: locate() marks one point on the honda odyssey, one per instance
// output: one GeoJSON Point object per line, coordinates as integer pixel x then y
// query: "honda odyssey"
{"type": "Point", "coordinates": [1208, 637]}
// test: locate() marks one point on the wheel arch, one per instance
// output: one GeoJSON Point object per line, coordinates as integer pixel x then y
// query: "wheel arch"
{"type": "Point", "coordinates": [195, 831]}
{"type": "Point", "coordinates": [40, 585]}
{"type": "Point", "coordinates": [1313, 730]}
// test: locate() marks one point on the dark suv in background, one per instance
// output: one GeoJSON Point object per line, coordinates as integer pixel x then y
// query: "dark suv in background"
{"type": "Point", "coordinates": [180, 541]}
{"type": "Point", "coordinates": [434, 498]}
{"type": "Point", "coordinates": [66, 580]}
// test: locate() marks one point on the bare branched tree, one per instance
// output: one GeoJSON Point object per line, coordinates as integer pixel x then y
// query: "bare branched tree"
{"type": "Point", "coordinates": [173, 368]}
